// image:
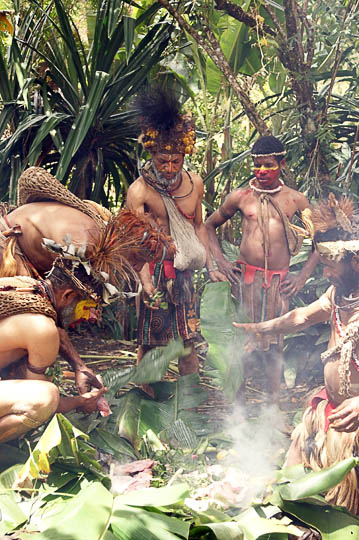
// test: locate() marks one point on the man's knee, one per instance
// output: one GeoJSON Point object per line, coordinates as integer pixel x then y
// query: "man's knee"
{"type": "Point", "coordinates": [39, 404]}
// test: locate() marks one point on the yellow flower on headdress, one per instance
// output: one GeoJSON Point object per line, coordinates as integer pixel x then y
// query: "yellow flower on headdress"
{"type": "Point", "coordinates": [168, 147]}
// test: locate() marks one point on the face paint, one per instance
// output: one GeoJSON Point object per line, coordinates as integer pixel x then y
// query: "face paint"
{"type": "Point", "coordinates": [85, 310]}
{"type": "Point", "coordinates": [267, 175]}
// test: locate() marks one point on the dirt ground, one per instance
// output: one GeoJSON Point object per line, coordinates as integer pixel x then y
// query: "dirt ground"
{"type": "Point", "coordinates": [101, 354]}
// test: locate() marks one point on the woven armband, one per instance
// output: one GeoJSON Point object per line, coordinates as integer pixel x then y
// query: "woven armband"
{"type": "Point", "coordinates": [223, 213]}
{"type": "Point", "coordinates": [35, 369]}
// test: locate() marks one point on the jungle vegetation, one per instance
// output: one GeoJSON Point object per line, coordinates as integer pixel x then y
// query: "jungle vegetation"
{"type": "Point", "coordinates": [68, 75]}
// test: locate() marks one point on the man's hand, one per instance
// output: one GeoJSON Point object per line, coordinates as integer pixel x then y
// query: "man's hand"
{"type": "Point", "coordinates": [230, 270]}
{"type": "Point", "coordinates": [86, 379]}
{"type": "Point", "coordinates": [88, 401]}
{"type": "Point", "coordinates": [152, 297]}
{"type": "Point", "coordinates": [216, 275]}
{"type": "Point", "coordinates": [345, 417]}
{"type": "Point", "coordinates": [291, 285]}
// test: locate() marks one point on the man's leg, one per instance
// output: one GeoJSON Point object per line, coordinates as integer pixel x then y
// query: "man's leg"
{"type": "Point", "coordinates": [189, 363]}
{"type": "Point", "coordinates": [273, 362]}
{"type": "Point", "coordinates": [25, 405]}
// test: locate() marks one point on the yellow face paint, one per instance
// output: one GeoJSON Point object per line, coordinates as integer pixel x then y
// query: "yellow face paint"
{"type": "Point", "coordinates": [265, 168]}
{"type": "Point", "coordinates": [82, 309]}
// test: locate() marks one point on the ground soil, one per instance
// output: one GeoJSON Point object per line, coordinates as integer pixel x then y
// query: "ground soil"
{"type": "Point", "coordinates": [103, 353]}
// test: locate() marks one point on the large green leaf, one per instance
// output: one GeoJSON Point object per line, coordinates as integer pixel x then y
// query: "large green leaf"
{"type": "Point", "coordinates": [155, 362]}
{"type": "Point", "coordinates": [83, 122]}
{"type": "Point", "coordinates": [85, 516]}
{"type": "Point", "coordinates": [234, 44]}
{"type": "Point", "coordinates": [332, 523]}
{"type": "Point", "coordinates": [314, 483]}
{"type": "Point", "coordinates": [157, 497]}
{"type": "Point", "coordinates": [218, 312]}
{"type": "Point", "coordinates": [138, 524]}
{"type": "Point", "coordinates": [11, 512]}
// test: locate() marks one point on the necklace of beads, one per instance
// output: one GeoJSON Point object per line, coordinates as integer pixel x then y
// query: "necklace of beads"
{"type": "Point", "coordinates": [339, 328]}
{"type": "Point", "coordinates": [269, 191]}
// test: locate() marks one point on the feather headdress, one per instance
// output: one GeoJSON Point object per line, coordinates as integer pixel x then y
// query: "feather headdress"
{"type": "Point", "coordinates": [164, 128]}
{"type": "Point", "coordinates": [333, 214]}
{"type": "Point", "coordinates": [335, 228]}
{"type": "Point", "coordinates": [107, 261]}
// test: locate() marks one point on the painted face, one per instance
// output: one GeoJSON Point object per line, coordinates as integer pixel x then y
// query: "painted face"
{"type": "Point", "coordinates": [86, 310]}
{"type": "Point", "coordinates": [168, 166]}
{"type": "Point", "coordinates": [341, 275]}
{"type": "Point", "coordinates": [266, 170]}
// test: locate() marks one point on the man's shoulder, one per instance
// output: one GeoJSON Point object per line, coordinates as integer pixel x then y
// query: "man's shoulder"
{"type": "Point", "coordinates": [300, 197]}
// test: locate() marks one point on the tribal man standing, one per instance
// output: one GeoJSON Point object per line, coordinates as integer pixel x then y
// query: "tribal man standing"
{"type": "Point", "coordinates": [173, 197]}
{"type": "Point", "coordinates": [267, 207]}
{"type": "Point", "coordinates": [329, 431]}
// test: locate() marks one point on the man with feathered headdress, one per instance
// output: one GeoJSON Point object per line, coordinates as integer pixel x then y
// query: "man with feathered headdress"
{"type": "Point", "coordinates": [260, 278]}
{"type": "Point", "coordinates": [50, 221]}
{"type": "Point", "coordinates": [173, 196]}
{"type": "Point", "coordinates": [329, 431]}
{"type": "Point", "coordinates": [31, 314]}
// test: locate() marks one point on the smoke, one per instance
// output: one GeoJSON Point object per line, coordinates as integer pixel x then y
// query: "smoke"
{"type": "Point", "coordinates": [259, 446]}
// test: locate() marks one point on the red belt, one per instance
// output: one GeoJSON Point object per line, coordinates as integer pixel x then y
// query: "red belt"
{"type": "Point", "coordinates": [251, 270]}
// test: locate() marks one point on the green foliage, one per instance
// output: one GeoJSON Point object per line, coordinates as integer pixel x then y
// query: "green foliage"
{"type": "Point", "coordinates": [226, 344]}
{"type": "Point", "coordinates": [67, 112]}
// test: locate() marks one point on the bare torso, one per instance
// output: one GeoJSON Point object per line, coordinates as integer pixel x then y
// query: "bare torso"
{"type": "Point", "coordinates": [331, 366]}
{"type": "Point", "coordinates": [251, 248]}
{"type": "Point", "coordinates": [142, 198]}
{"type": "Point", "coordinates": [50, 220]}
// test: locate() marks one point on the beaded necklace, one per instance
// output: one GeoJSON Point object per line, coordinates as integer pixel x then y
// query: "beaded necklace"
{"type": "Point", "coordinates": [269, 191]}
{"type": "Point", "coordinates": [340, 331]}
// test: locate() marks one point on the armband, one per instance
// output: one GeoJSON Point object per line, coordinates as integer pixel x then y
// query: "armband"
{"type": "Point", "coordinates": [223, 213]}
{"type": "Point", "coordinates": [35, 369]}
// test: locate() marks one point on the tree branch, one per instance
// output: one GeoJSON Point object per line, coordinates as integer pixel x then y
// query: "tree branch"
{"type": "Point", "coordinates": [215, 52]}
{"type": "Point", "coordinates": [238, 13]}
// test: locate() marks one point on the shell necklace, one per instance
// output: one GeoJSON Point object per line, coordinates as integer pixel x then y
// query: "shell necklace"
{"type": "Point", "coordinates": [269, 191]}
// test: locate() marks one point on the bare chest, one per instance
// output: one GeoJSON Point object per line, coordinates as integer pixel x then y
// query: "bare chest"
{"type": "Point", "coordinates": [254, 208]}
{"type": "Point", "coordinates": [185, 200]}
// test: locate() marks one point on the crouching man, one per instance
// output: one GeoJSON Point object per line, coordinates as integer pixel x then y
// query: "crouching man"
{"type": "Point", "coordinates": [329, 431]}
{"type": "Point", "coordinates": [31, 314]}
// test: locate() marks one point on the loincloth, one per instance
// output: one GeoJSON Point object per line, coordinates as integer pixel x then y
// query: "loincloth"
{"type": "Point", "coordinates": [262, 301]}
{"type": "Point", "coordinates": [321, 446]}
{"type": "Point", "coordinates": [158, 327]}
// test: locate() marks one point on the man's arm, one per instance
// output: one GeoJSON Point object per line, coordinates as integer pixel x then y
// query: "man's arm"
{"type": "Point", "coordinates": [293, 321]}
{"type": "Point", "coordinates": [84, 376]}
{"type": "Point", "coordinates": [294, 283]}
{"type": "Point", "coordinates": [202, 234]}
{"type": "Point", "coordinates": [136, 202]}
{"type": "Point", "coordinates": [218, 218]}
{"type": "Point", "coordinates": [86, 403]}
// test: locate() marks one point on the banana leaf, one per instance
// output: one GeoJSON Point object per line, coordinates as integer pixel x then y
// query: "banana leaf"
{"type": "Point", "coordinates": [314, 483]}
{"type": "Point", "coordinates": [333, 523]}
{"type": "Point", "coordinates": [226, 344]}
{"type": "Point", "coordinates": [11, 512]}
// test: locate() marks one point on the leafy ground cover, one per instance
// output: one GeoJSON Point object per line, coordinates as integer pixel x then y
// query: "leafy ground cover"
{"type": "Point", "coordinates": [187, 464]}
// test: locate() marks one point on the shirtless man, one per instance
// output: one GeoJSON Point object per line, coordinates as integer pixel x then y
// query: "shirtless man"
{"type": "Point", "coordinates": [267, 207]}
{"type": "Point", "coordinates": [48, 210]}
{"type": "Point", "coordinates": [329, 431]}
{"type": "Point", "coordinates": [173, 197]}
{"type": "Point", "coordinates": [31, 314]}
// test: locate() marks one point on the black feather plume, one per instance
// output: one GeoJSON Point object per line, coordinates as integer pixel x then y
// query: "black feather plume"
{"type": "Point", "coordinates": [158, 108]}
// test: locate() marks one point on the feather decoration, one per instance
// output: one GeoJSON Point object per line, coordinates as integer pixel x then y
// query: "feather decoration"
{"type": "Point", "coordinates": [332, 214]}
{"type": "Point", "coordinates": [158, 109]}
{"type": "Point", "coordinates": [128, 237]}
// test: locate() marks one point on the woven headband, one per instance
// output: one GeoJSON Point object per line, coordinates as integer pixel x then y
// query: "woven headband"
{"type": "Point", "coordinates": [269, 154]}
